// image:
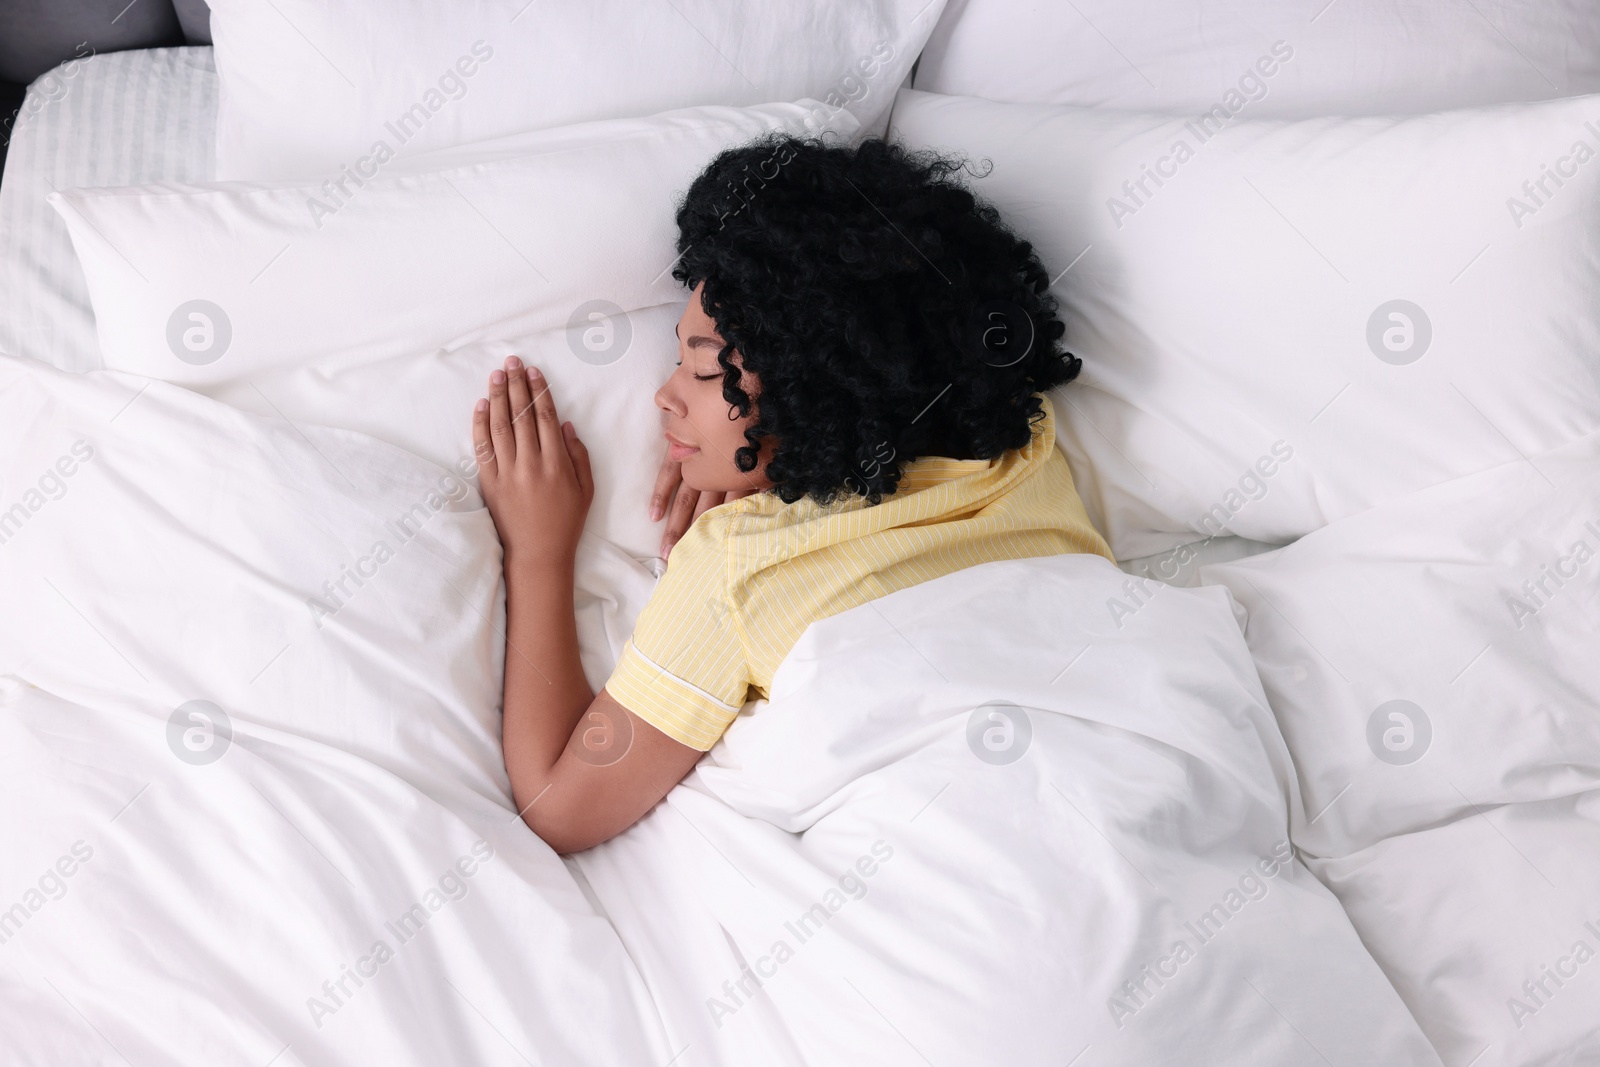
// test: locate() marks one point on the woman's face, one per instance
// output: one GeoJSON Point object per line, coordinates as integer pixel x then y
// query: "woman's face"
{"type": "Point", "coordinates": [702, 429]}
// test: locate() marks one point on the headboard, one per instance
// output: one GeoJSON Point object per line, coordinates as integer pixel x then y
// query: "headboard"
{"type": "Point", "coordinates": [36, 35]}
{"type": "Point", "coordinates": [39, 35]}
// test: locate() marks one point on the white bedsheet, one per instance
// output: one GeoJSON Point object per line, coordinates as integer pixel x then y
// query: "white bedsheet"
{"type": "Point", "coordinates": [174, 910]}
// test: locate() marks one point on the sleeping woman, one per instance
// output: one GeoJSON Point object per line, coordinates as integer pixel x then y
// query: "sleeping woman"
{"type": "Point", "coordinates": [857, 408]}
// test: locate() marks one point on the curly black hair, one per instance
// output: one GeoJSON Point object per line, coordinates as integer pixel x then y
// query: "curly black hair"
{"type": "Point", "coordinates": [886, 311]}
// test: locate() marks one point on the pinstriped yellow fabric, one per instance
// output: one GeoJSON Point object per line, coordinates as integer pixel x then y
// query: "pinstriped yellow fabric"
{"type": "Point", "coordinates": [749, 576]}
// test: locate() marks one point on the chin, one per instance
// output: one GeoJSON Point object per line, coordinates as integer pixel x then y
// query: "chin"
{"type": "Point", "coordinates": [710, 485]}
{"type": "Point", "coordinates": [697, 480]}
{"type": "Point", "coordinates": [719, 481]}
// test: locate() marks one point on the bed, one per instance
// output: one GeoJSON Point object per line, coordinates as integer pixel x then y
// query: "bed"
{"type": "Point", "coordinates": [1309, 777]}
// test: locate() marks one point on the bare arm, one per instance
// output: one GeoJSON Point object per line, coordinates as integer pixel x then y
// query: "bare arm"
{"type": "Point", "coordinates": [583, 768]}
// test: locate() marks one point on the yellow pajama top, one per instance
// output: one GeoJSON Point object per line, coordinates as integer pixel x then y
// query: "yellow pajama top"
{"type": "Point", "coordinates": [750, 575]}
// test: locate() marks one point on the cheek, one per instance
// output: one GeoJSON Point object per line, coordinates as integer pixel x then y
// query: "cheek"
{"type": "Point", "coordinates": [731, 428]}
{"type": "Point", "coordinates": [709, 412]}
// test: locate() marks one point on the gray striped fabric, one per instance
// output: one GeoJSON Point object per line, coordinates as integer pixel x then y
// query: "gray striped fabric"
{"type": "Point", "coordinates": [126, 118]}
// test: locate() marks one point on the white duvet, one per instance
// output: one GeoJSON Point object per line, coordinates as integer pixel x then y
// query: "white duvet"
{"type": "Point", "coordinates": [1432, 665]}
{"type": "Point", "coordinates": [254, 809]}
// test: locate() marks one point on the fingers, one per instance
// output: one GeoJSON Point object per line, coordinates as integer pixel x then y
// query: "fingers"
{"type": "Point", "coordinates": [684, 515]}
{"type": "Point", "coordinates": [579, 453]}
{"type": "Point", "coordinates": [679, 517]}
{"type": "Point", "coordinates": [482, 448]}
{"type": "Point", "coordinates": [667, 479]}
{"type": "Point", "coordinates": [520, 403]}
{"type": "Point", "coordinates": [500, 434]}
{"type": "Point", "coordinates": [551, 444]}
{"type": "Point", "coordinates": [706, 502]}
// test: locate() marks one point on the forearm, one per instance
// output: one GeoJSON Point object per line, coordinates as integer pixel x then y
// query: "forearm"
{"type": "Point", "coordinates": [573, 804]}
{"type": "Point", "coordinates": [537, 483]}
{"type": "Point", "coordinates": [545, 690]}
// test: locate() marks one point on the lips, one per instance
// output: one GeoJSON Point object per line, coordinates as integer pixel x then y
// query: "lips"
{"type": "Point", "coordinates": [677, 451]}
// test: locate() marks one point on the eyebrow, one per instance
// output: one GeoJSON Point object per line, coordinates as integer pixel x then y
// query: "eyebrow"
{"type": "Point", "coordinates": [700, 340]}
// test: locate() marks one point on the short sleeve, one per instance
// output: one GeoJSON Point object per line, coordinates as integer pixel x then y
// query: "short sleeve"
{"type": "Point", "coordinates": [685, 670]}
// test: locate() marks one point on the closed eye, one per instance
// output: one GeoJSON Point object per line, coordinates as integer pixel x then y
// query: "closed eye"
{"type": "Point", "coordinates": [701, 377]}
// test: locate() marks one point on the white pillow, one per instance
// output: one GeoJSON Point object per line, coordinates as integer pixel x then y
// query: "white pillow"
{"type": "Point", "coordinates": [1235, 314]}
{"type": "Point", "coordinates": [386, 315]}
{"type": "Point", "coordinates": [309, 86]}
{"type": "Point", "coordinates": [467, 245]}
{"type": "Point", "coordinates": [1434, 657]}
{"type": "Point", "coordinates": [1353, 57]}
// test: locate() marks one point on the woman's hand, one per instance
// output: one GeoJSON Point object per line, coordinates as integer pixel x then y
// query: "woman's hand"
{"type": "Point", "coordinates": [680, 504]}
{"type": "Point", "coordinates": [532, 469]}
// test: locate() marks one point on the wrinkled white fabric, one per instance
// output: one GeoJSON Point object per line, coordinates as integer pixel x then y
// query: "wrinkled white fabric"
{"type": "Point", "coordinates": [955, 907]}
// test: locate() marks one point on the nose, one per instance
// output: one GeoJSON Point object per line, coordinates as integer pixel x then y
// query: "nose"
{"type": "Point", "coordinates": [667, 399]}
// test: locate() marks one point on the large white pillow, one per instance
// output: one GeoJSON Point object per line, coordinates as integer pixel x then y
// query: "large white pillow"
{"type": "Point", "coordinates": [1286, 322]}
{"type": "Point", "coordinates": [309, 86]}
{"type": "Point", "coordinates": [385, 314]}
{"type": "Point", "coordinates": [490, 241]}
{"type": "Point", "coordinates": [1352, 57]}
{"type": "Point", "coordinates": [1434, 657]}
